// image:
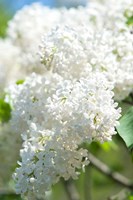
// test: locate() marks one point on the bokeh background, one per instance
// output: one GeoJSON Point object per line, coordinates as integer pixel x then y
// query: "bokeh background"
{"type": "Point", "coordinates": [113, 154]}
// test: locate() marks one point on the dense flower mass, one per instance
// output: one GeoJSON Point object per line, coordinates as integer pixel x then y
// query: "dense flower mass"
{"type": "Point", "coordinates": [62, 103]}
{"type": "Point", "coordinates": [65, 49]}
{"type": "Point", "coordinates": [25, 31]}
{"type": "Point", "coordinates": [69, 67]}
{"type": "Point", "coordinates": [8, 63]}
{"type": "Point", "coordinates": [69, 113]}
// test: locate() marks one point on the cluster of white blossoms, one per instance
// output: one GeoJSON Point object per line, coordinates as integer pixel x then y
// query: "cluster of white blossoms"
{"type": "Point", "coordinates": [26, 29]}
{"type": "Point", "coordinates": [72, 66]}
{"type": "Point", "coordinates": [111, 17]}
{"type": "Point", "coordinates": [55, 116]}
{"type": "Point", "coordinates": [64, 49]}
{"type": "Point", "coordinates": [123, 75]}
{"type": "Point", "coordinates": [8, 63]}
{"type": "Point", "coordinates": [32, 23]}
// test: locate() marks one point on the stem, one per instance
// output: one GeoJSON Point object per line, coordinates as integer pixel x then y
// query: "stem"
{"type": "Point", "coordinates": [128, 102]}
{"type": "Point", "coordinates": [122, 195]}
{"type": "Point", "coordinates": [87, 184]}
{"type": "Point", "coordinates": [71, 190]}
{"type": "Point", "coordinates": [105, 170]}
{"type": "Point", "coordinates": [131, 95]}
{"type": "Point", "coordinates": [7, 192]}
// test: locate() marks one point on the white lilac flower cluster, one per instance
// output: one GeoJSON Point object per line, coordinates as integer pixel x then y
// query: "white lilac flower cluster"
{"type": "Point", "coordinates": [25, 31]}
{"type": "Point", "coordinates": [73, 65]}
{"type": "Point", "coordinates": [29, 25]}
{"type": "Point", "coordinates": [55, 116]}
{"type": "Point", "coordinates": [8, 63]}
{"type": "Point", "coordinates": [64, 50]}
{"type": "Point", "coordinates": [18, 58]}
{"type": "Point", "coordinates": [112, 17]}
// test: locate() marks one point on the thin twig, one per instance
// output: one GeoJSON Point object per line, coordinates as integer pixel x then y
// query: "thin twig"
{"type": "Point", "coordinates": [122, 195]}
{"type": "Point", "coordinates": [37, 198]}
{"type": "Point", "coordinates": [128, 102]}
{"type": "Point", "coordinates": [131, 95]}
{"type": "Point", "coordinates": [71, 190]}
{"type": "Point", "coordinates": [104, 169]}
{"type": "Point", "coordinates": [7, 192]}
{"type": "Point", "coordinates": [87, 184]}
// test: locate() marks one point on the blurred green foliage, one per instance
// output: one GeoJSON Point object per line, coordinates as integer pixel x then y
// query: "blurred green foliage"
{"type": "Point", "coordinates": [10, 197]}
{"type": "Point", "coordinates": [5, 111]}
{"type": "Point", "coordinates": [130, 21]}
{"type": "Point", "coordinates": [19, 82]}
{"type": "Point", "coordinates": [5, 16]}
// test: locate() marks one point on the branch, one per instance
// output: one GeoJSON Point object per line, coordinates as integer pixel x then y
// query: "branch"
{"type": "Point", "coordinates": [128, 102]}
{"type": "Point", "coordinates": [71, 190]}
{"type": "Point", "coordinates": [87, 184]}
{"type": "Point", "coordinates": [131, 95]}
{"type": "Point", "coordinates": [8, 193]}
{"type": "Point", "coordinates": [105, 170]}
{"type": "Point", "coordinates": [122, 195]}
{"type": "Point", "coordinates": [39, 198]}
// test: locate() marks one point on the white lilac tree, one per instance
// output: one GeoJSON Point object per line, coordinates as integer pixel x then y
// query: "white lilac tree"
{"type": "Point", "coordinates": [65, 74]}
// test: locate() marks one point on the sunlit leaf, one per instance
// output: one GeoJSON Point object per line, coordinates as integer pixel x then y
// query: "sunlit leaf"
{"type": "Point", "coordinates": [19, 82]}
{"type": "Point", "coordinates": [131, 198]}
{"type": "Point", "coordinates": [130, 21]}
{"type": "Point", "coordinates": [125, 129]}
{"type": "Point", "coordinates": [107, 146]}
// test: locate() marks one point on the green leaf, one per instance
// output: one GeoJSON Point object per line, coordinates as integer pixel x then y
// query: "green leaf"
{"type": "Point", "coordinates": [130, 21]}
{"type": "Point", "coordinates": [5, 111]}
{"type": "Point", "coordinates": [129, 17]}
{"type": "Point", "coordinates": [19, 82]}
{"type": "Point", "coordinates": [131, 198]}
{"type": "Point", "coordinates": [107, 146]}
{"type": "Point", "coordinates": [125, 129]}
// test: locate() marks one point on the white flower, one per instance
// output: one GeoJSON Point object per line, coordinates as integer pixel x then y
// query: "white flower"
{"type": "Point", "coordinates": [27, 26]}
{"type": "Point", "coordinates": [55, 116]}
{"type": "Point", "coordinates": [123, 76]}
{"type": "Point", "coordinates": [64, 51]}
{"type": "Point", "coordinates": [72, 55]}
{"type": "Point", "coordinates": [25, 31]}
{"type": "Point", "coordinates": [110, 14]}
{"type": "Point", "coordinates": [8, 63]}
{"type": "Point", "coordinates": [83, 59]}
